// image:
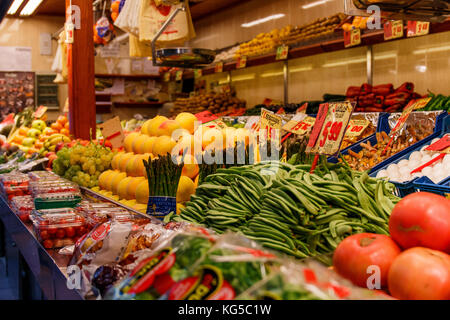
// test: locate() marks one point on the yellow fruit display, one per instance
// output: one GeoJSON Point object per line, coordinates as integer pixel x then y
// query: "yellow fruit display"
{"type": "Point", "coordinates": [163, 145]}
{"type": "Point", "coordinates": [116, 180]}
{"type": "Point", "coordinates": [190, 168]}
{"type": "Point", "coordinates": [153, 125]}
{"type": "Point", "coordinates": [124, 160]}
{"type": "Point", "coordinates": [186, 143]}
{"type": "Point", "coordinates": [140, 207]}
{"type": "Point", "coordinates": [147, 146]}
{"type": "Point", "coordinates": [115, 161]}
{"type": "Point", "coordinates": [109, 179]}
{"type": "Point", "coordinates": [138, 143]}
{"type": "Point", "coordinates": [132, 186]}
{"type": "Point", "coordinates": [144, 128]}
{"type": "Point", "coordinates": [103, 178]}
{"type": "Point", "coordinates": [186, 121]}
{"type": "Point", "coordinates": [142, 192]}
{"type": "Point", "coordinates": [131, 167]}
{"type": "Point", "coordinates": [140, 168]}
{"type": "Point", "coordinates": [186, 188]}
{"type": "Point", "coordinates": [122, 188]}
{"type": "Point", "coordinates": [129, 141]}
{"type": "Point", "coordinates": [167, 128]}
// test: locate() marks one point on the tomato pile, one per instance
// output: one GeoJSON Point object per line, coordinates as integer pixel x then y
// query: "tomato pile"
{"type": "Point", "coordinates": [419, 225]}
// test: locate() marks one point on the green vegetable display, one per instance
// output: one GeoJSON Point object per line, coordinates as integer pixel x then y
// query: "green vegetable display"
{"type": "Point", "coordinates": [163, 176]}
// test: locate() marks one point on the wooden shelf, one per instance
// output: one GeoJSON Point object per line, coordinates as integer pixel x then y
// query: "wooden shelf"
{"type": "Point", "coordinates": [103, 107]}
{"type": "Point", "coordinates": [128, 76]}
{"type": "Point", "coordinates": [150, 104]}
{"type": "Point", "coordinates": [367, 38]}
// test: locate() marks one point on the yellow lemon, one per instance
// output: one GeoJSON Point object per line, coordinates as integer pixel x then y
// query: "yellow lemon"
{"type": "Point", "coordinates": [142, 192]}
{"type": "Point", "coordinates": [186, 188]}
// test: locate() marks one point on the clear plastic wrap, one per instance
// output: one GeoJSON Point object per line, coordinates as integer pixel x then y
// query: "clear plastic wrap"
{"type": "Point", "coordinates": [22, 207]}
{"type": "Point", "coordinates": [373, 119]}
{"type": "Point", "coordinates": [39, 188]}
{"type": "Point", "coordinates": [14, 184]}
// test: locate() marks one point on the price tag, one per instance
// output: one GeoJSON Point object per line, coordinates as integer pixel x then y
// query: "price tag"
{"type": "Point", "coordinates": [393, 30]}
{"type": "Point", "coordinates": [300, 124]}
{"type": "Point", "coordinates": [282, 52]}
{"type": "Point", "coordinates": [418, 28]}
{"type": "Point", "coordinates": [69, 29]}
{"type": "Point", "coordinates": [441, 146]}
{"type": "Point", "coordinates": [40, 112]}
{"type": "Point", "coordinates": [329, 129]}
{"type": "Point", "coordinates": [167, 77]}
{"type": "Point", "coordinates": [219, 67]}
{"type": "Point", "coordinates": [112, 131]}
{"type": "Point", "coordinates": [252, 123]}
{"type": "Point", "coordinates": [271, 122]}
{"type": "Point", "coordinates": [356, 127]}
{"type": "Point", "coordinates": [9, 119]}
{"type": "Point", "coordinates": [413, 105]}
{"type": "Point", "coordinates": [205, 116]}
{"type": "Point", "coordinates": [352, 38]}
{"type": "Point", "coordinates": [217, 124]}
{"type": "Point", "coordinates": [198, 73]}
{"type": "Point", "coordinates": [303, 108]}
{"type": "Point", "coordinates": [241, 62]}
{"type": "Point", "coordinates": [179, 75]}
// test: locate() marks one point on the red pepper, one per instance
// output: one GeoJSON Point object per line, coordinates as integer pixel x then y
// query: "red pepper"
{"type": "Point", "coordinates": [366, 89]}
{"type": "Point", "coordinates": [394, 108]}
{"type": "Point", "coordinates": [379, 102]}
{"type": "Point", "coordinates": [353, 91]}
{"type": "Point", "coordinates": [383, 89]}
{"type": "Point", "coordinates": [373, 109]}
{"type": "Point", "coordinates": [415, 96]}
{"type": "Point", "coordinates": [406, 87]}
{"type": "Point", "coordinates": [399, 97]}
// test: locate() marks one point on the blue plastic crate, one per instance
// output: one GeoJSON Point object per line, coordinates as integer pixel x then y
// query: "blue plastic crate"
{"type": "Point", "coordinates": [424, 184]}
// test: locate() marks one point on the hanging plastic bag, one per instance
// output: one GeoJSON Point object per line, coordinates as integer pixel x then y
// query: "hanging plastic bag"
{"type": "Point", "coordinates": [153, 16]}
{"type": "Point", "coordinates": [127, 19]}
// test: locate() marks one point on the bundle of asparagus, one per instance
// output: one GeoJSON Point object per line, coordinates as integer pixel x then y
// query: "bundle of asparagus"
{"type": "Point", "coordinates": [163, 176]}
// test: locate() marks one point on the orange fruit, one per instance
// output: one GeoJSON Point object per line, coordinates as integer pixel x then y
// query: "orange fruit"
{"type": "Point", "coordinates": [67, 126]}
{"type": "Point", "coordinates": [56, 126]}
{"type": "Point", "coordinates": [65, 132]}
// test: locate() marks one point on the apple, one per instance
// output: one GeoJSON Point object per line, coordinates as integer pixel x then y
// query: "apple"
{"type": "Point", "coordinates": [48, 154]}
{"type": "Point", "coordinates": [28, 142]}
{"type": "Point", "coordinates": [39, 125]}
{"type": "Point", "coordinates": [33, 133]}
{"type": "Point", "coordinates": [59, 146]}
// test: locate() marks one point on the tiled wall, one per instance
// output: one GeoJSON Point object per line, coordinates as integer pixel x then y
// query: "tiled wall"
{"type": "Point", "coordinates": [424, 61]}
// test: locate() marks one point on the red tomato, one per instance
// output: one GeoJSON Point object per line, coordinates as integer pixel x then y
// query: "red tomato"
{"type": "Point", "coordinates": [44, 235]}
{"type": "Point", "coordinates": [24, 217]}
{"type": "Point", "coordinates": [81, 231]}
{"type": "Point", "coordinates": [52, 231]}
{"type": "Point", "coordinates": [421, 219]}
{"type": "Point", "coordinates": [70, 232]}
{"type": "Point", "coordinates": [420, 274]}
{"type": "Point", "coordinates": [60, 234]}
{"type": "Point", "coordinates": [48, 244]}
{"type": "Point", "coordinates": [356, 253]}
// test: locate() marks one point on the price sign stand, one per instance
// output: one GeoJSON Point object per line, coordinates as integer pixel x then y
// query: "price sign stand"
{"type": "Point", "coordinates": [329, 129]}
{"type": "Point", "coordinates": [300, 124]}
{"type": "Point", "coordinates": [112, 131]}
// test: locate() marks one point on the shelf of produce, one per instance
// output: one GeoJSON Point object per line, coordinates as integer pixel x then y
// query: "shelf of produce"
{"type": "Point", "coordinates": [150, 104]}
{"type": "Point", "coordinates": [128, 76]}
{"type": "Point", "coordinates": [367, 38]}
{"type": "Point", "coordinates": [47, 266]}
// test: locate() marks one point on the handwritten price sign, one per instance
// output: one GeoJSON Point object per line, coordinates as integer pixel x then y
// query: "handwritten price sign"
{"type": "Point", "coordinates": [356, 127]}
{"type": "Point", "coordinates": [241, 62]}
{"type": "Point", "coordinates": [418, 28]}
{"type": "Point", "coordinates": [331, 123]}
{"type": "Point", "coordinates": [352, 38]}
{"type": "Point", "coordinates": [300, 124]}
{"type": "Point", "coordinates": [413, 105]}
{"type": "Point", "coordinates": [271, 122]}
{"type": "Point", "coordinates": [393, 30]}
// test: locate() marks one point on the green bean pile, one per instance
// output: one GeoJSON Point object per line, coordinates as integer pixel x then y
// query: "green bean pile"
{"type": "Point", "coordinates": [292, 211]}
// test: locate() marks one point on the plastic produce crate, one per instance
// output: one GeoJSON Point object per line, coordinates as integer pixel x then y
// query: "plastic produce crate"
{"type": "Point", "coordinates": [426, 185]}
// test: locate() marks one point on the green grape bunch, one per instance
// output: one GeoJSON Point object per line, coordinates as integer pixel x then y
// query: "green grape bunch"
{"type": "Point", "coordinates": [83, 164]}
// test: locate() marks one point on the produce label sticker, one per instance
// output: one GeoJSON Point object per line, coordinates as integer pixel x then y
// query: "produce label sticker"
{"type": "Point", "coordinates": [441, 146]}
{"type": "Point", "coordinates": [112, 131]}
{"type": "Point", "coordinates": [303, 108]}
{"type": "Point", "coordinates": [270, 122]}
{"type": "Point", "coordinates": [393, 30]}
{"type": "Point", "coordinates": [167, 76]}
{"type": "Point", "coordinates": [300, 124]}
{"type": "Point", "coordinates": [179, 75]}
{"type": "Point", "coordinates": [282, 52]}
{"type": "Point", "coordinates": [205, 116]}
{"type": "Point", "coordinates": [331, 128]}
{"type": "Point", "coordinates": [252, 123]}
{"type": "Point", "coordinates": [40, 112]}
{"type": "Point", "coordinates": [198, 73]}
{"type": "Point", "coordinates": [413, 105]}
{"type": "Point", "coordinates": [418, 28]}
{"type": "Point", "coordinates": [356, 127]}
{"type": "Point", "coordinates": [219, 67]}
{"type": "Point", "coordinates": [241, 62]}
{"type": "Point", "coordinates": [352, 38]}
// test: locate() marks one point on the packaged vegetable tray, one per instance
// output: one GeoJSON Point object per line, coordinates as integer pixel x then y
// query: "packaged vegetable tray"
{"type": "Point", "coordinates": [57, 228]}
{"type": "Point", "coordinates": [22, 207]}
{"type": "Point", "coordinates": [42, 175]}
{"type": "Point", "coordinates": [38, 188]}
{"type": "Point", "coordinates": [14, 184]}
{"type": "Point", "coordinates": [57, 200]}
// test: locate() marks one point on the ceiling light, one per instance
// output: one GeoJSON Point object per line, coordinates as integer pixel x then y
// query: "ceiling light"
{"type": "Point", "coordinates": [361, 60]}
{"type": "Point", "coordinates": [421, 68]}
{"type": "Point", "coordinates": [314, 4]}
{"type": "Point", "coordinates": [30, 7]}
{"type": "Point", "coordinates": [15, 6]}
{"type": "Point", "coordinates": [263, 20]}
{"type": "Point", "coordinates": [429, 50]}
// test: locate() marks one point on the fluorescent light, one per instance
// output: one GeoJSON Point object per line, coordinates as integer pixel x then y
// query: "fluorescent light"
{"type": "Point", "coordinates": [300, 69]}
{"type": "Point", "coordinates": [271, 74]}
{"type": "Point", "coordinates": [421, 68]}
{"type": "Point", "coordinates": [314, 4]}
{"type": "Point", "coordinates": [263, 20]}
{"type": "Point", "coordinates": [435, 49]}
{"type": "Point", "coordinates": [15, 6]}
{"type": "Point", "coordinates": [239, 78]}
{"type": "Point", "coordinates": [30, 7]}
{"type": "Point", "coordinates": [361, 60]}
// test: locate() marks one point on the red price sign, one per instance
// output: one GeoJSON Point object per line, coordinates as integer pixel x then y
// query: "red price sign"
{"type": "Point", "coordinates": [241, 62]}
{"type": "Point", "coordinates": [393, 30]}
{"type": "Point", "coordinates": [418, 28]}
{"type": "Point", "coordinates": [282, 52]}
{"type": "Point", "coordinates": [441, 146]}
{"type": "Point", "coordinates": [356, 127]}
{"type": "Point", "coordinates": [219, 67]}
{"type": "Point", "coordinates": [205, 116]}
{"type": "Point", "coordinates": [330, 127]}
{"type": "Point", "coordinates": [300, 124]}
{"type": "Point", "coordinates": [352, 38]}
{"type": "Point", "coordinates": [271, 122]}
{"type": "Point", "coordinates": [303, 108]}
{"type": "Point", "coordinates": [413, 105]}
{"type": "Point", "coordinates": [40, 112]}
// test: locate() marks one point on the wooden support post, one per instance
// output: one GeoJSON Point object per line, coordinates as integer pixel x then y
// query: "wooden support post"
{"type": "Point", "coordinates": [81, 71]}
